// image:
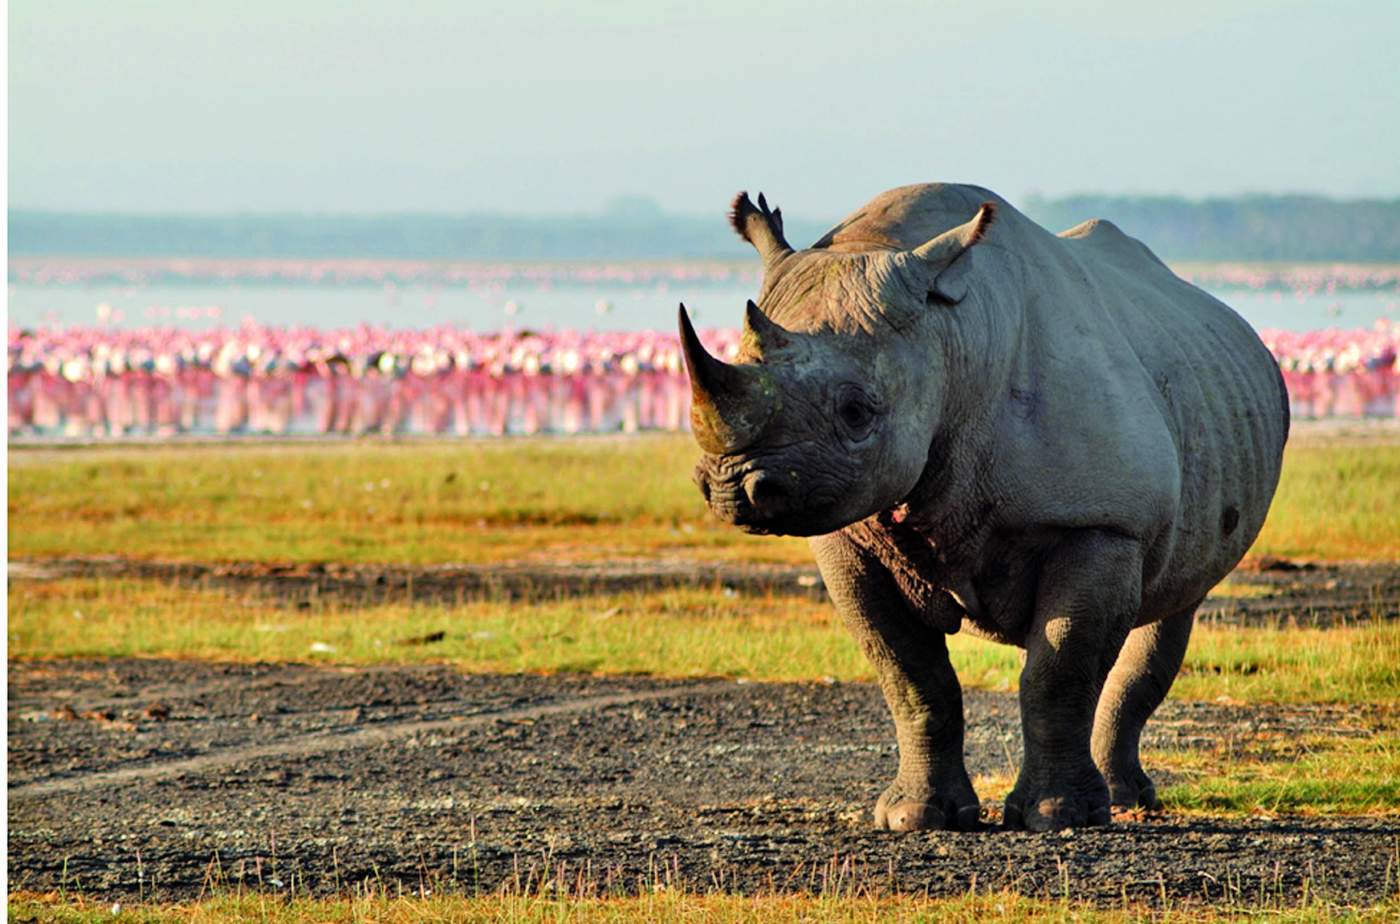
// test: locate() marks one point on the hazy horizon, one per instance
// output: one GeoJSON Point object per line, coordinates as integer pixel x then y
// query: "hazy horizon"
{"type": "Point", "coordinates": [447, 109]}
{"type": "Point", "coordinates": [608, 208]}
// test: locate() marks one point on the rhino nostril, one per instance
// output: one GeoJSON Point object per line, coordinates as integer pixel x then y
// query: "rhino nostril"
{"type": "Point", "coordinates": [766, 494]}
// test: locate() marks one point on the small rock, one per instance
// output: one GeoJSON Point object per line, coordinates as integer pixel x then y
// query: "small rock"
{"type": "Point", "coordinates": [157, 712]}
{"type": "Point", "coordinates": [1271, 563]}
{"type": "Point", "coordinates": [428, 639]}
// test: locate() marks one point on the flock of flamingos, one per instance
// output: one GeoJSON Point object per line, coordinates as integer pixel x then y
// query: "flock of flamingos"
{"type": "Point", "coordinates": [110, 381]}
{"type": "Point", "coordinates": [255, 379]}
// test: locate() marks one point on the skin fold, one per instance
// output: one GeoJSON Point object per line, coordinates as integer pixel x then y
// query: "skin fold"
{"type": "Point", "coordinates": [1048, 440]}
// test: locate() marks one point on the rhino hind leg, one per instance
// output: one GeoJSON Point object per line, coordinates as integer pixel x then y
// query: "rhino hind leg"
{"type": "Point", "coordinates": [932, 788]}
{"type": "Point", "coordinates": [1136, 686]}
{"type": "Point", "coordinates": [1086, 602]}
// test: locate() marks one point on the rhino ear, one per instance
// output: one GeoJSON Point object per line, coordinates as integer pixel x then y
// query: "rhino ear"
{"type": "Point", "coordinates": [760, 227]}
{"type": "Point", "coordinates": [938, 255]}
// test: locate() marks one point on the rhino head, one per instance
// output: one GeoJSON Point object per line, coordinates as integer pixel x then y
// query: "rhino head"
{"type": "Point", "coordinates": [826, 416]}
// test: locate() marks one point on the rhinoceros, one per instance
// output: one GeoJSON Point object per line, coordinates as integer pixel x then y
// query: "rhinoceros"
{"type": "Point", "coordinates": [1049, 440]}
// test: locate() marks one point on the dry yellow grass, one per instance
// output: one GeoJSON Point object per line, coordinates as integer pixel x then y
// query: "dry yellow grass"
{"type": "Point", "coordinates": [667, 905]}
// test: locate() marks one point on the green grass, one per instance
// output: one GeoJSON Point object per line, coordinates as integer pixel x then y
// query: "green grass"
{"type": "Point", "coordinates": [1343, 664]}
{"type": "Point", "coordinates": [473, 501]}
{"type": "Point", "coordinates": [664, 904]}
{"type": "Point", "coordinates": [682, 633]}
{"type": "Point", "coordinates": [1336, 502]}
{"type": "Point", "coordinates": [1308, 775]}
{"type": "Point", "coordinates": [679, 633]}
{"type": "Point", "coordinates": [501, 500]}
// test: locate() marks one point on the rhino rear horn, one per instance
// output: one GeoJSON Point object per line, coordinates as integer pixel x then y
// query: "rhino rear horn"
{"type": "Point", "coordinates": [761, 333]}
{"type": "Point", "coordinates": [761, 227]}
{"type": "Point", "coordinates": [938, 254]}
{"type": "Point", "coordinates": [728, 403]}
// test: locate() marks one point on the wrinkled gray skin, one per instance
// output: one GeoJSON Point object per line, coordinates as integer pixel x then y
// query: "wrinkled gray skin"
{"type": "Point", "coordinates": [1051, 441]}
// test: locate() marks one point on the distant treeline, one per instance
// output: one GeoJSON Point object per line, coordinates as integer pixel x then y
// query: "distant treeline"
{"type": "Point", "coordinates": [1243, 228]}
{"type": "Point", "coordinates": [425, 237]}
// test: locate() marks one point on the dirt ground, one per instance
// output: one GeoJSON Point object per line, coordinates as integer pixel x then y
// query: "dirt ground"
{"type": "Point", "coordinates": [1288, 592]}
{"type": "Point", "coordinates": [146, 778]}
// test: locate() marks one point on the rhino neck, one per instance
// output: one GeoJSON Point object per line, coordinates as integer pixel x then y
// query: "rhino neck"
{"type": "Point", "coordinates": [980, 343]}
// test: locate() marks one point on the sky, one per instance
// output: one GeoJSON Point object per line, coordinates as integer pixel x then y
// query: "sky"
{"type": "Point", "coordinates": [307, 106]}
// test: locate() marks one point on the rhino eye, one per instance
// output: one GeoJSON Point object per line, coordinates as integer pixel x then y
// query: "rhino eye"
{"type": "Point", "coordinates": [855, 411]}
{"type": "Point", "coordinates": [855, 415]}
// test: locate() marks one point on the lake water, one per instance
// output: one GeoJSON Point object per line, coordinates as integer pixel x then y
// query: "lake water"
{"type": "Point", "coordinates": [597, 307]}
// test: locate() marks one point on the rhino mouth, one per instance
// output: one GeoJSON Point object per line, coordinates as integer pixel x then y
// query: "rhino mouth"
{"type": "Point", "coordinates": [815, 522]}
{"type": "Point", "coordinates": [765, 501]}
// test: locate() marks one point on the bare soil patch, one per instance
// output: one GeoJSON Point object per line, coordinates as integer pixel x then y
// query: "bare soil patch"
{"type": "Point", "coordinates": [155, 778]}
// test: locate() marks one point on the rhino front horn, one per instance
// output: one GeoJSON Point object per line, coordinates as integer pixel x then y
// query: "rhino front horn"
{"type": "Point", "coordinates": [729, 404]}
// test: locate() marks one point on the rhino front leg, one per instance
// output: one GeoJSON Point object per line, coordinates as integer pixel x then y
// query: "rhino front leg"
{"type": "Point", "coordinates": [932, 789]}
{"type": "Point", "coordinates": [1088, 598]}
{"type": "Point", "coordinates": [1135, 688]}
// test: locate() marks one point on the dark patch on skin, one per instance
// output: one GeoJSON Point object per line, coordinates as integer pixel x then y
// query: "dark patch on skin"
{"type": "Point", "coordinates": [1164, 388]}
{"type": "Point", "coordinates": [1229, 520]}
{"type": "Point", "coordinates": [1023, 403]}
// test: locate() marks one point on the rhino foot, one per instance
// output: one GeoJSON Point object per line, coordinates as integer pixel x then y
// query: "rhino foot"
{"type": "Point", "coordinates": [922, 808]}
{"type": "Point", "coordinates": [1054, 806]}
{"type": "Point", "coordinates": [1133, 789]}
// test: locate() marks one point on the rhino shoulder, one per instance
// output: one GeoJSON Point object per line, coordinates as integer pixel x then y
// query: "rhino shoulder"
{"type": "Point", "coordinates": [1106, 238]}
{"type": "Point", "coordinates": [907, 216]}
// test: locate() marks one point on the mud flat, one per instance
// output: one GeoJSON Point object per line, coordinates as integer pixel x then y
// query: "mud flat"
{"type": "Point", "coordinates": [133, 778]}
{"type": "Point", "coordinates": [1282, 591]}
